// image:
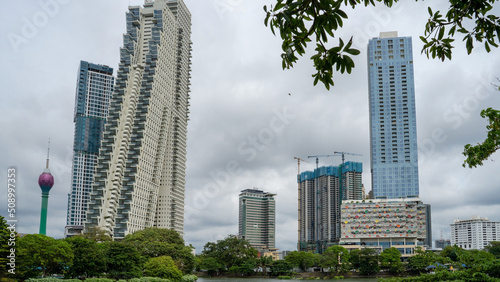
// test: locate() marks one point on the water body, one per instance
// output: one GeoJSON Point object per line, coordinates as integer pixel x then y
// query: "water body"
{"type": "Point", "coordinates": [278, 280]}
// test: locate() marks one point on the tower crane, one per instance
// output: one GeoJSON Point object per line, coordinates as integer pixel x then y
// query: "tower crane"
{"type": "Point", "coordinates": [320, 156]}
{"type": "Point", "coordinates": [298, 163]}
{"type": "Point", "coordinates": [343, 155]}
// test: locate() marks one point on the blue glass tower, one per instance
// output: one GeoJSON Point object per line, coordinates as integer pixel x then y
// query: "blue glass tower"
{"type": "Point", "coordinates": [93, 93]}
{"type": "Point", "coordinates": [393, 126]}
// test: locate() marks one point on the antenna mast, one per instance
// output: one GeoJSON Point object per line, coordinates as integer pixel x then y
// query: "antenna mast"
{"type": "Point", "coordinates": [48, 152]}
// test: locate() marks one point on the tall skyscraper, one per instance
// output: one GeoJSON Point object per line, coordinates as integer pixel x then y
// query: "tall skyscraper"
{"type": "Point", "coordinates": [393, 126]}
{"type": "Point", "coordinates": [257, 218]}
{"type": "Point", "coordinates": [320, 201]}
{"type": "Point", "coordinates": [93, 93]}
{"type": "Point", "coordinates": [140, 176]}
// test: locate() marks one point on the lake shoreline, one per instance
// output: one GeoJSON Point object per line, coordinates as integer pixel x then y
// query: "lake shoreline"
{"type": "Point", "coordinates": [302, 276]}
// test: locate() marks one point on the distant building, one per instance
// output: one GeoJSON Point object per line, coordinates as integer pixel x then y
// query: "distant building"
{"type": "Point", "coordinates": [273, 254]}
{"type": "Point", "coordinates": [442, 243]}
{"type": "Point", "coordinates": [384, 223]}
{"type": "Point", "coordinates": [93, 93]}
{"type": "Point", "coordinates": [393, 122]}
{"type": "Point", "coordinates": [320, 194]}
{"type": "Point", "coordinates": [257, 216]}
{"type": "Point", "coordinates": [283, 254]}
{"type": "Point", "coordinates": [475, 233]}
{"type": "Point", "coordinates": [369, 195]}
{"type": "Point", "coordinates": [428, 218]}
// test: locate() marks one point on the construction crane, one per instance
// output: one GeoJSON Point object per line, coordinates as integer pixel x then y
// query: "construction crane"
{"type": "Point", "coordinates": [320, 156]}
{"type": "Point", "coordinates": [298, 163]}
{"type": "Point", "coordinates": [343, 155]}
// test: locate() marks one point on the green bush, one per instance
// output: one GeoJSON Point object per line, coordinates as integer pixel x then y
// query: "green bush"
{"type": "Point", "coordinates": [189, 278]}
{"type": "Point", "coordinates": [284, 277]}
{"type": "Point", "coordinates": [51, 280]}
{"type": "Point", "coordinates": [97, 280]}
{"type": "Point", "coordinates": [149, 279]}
{"type": "Point", "coordinates": [162, 267]}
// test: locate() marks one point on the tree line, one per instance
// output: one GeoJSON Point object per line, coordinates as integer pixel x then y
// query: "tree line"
{"type": "Point", "coordinates": [162, 253]}
{"type": "Point", "coordinates": [235, 256]}
{"type": "Point", "coordinates": [151, 252]}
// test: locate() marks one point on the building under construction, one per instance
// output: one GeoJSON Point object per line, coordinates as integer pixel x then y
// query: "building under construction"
{"type": "Point", "coordinates": [320, 197]}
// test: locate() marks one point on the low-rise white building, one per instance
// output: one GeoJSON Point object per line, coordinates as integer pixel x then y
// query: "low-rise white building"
{"type": "Point", "coordinates": [475, 233]}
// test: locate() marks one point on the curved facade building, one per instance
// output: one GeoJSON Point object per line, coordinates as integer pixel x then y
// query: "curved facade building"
{"type": "Point", "coordinates": [140, 176]}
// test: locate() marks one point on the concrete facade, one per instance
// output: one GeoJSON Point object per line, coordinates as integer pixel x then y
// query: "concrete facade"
{"type": "Point", "coordinates": [474, 233]}
{"type": "Point", "coordinates": [140, 176]}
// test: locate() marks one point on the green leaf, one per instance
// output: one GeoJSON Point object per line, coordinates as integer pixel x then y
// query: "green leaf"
{"type": "Point", "coordinates": [279, 6]}
{"type": "Point", "coordinates": [354, 52]}
{"type": "Point", "coordinates": [441, 33]}
{"type": "Point", "coordinates": [468, 44]}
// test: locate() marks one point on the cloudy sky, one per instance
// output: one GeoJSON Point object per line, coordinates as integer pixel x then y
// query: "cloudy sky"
{"type": "Point", "coordinates": [244, 129]}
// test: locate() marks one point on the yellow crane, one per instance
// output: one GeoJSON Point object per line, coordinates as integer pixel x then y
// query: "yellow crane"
{"type": "Point", "coordinates": [298, 163]}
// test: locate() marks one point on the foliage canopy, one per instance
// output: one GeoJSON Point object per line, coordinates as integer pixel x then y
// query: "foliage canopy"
{"type": "Point", "coordinates": [300, 22]}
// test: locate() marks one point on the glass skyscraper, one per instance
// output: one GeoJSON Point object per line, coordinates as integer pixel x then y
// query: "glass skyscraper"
{"type": "Point", "coordinates": [93, 93]}
{"type": "Point", "coordinates": [393, 126]}
{"type": "Point", "coordinates": [140, 176]}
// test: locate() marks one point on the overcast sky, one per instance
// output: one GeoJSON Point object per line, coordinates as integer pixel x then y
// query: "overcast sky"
{"type": "Point", "coordinates": [244, 127]}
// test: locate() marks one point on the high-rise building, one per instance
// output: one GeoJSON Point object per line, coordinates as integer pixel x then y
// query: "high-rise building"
{"type": "Point", "coordinates": [393, 127]}
{"type": "Point", "coordinates": [257, 218]}
{"type": "Point", "coordinates": [320, 196]}
{"type": "Point", "coordinates": [475, 233]}
{"type": "Point", "coordinates": [140, 177]}
{"type": "Point", "coordinates": [93, 93]}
